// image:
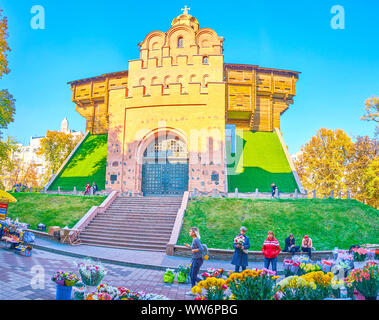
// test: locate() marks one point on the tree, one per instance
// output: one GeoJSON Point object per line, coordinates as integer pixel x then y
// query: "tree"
{"type": "Point", "coordinates": [371, 177]}
{"type": "Point", "coordinates": [372, 112]}
{"type": "Point", "coordinates": [7, 102]}
{"type": "Point", "coordinates": [7, 149]}
{"type": "Point", "coordinates": [56, 147]}
{"type": "Point", "coordinates": [365, 151]}
{"type": "Point", "coordinates": [322, 163]}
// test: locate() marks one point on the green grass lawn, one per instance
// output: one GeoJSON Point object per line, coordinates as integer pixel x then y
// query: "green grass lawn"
{"type": "Point", "coordinates": [261, 162]}
{"type": "Point", "coordinates": [87, 165]}
{"type": "Point", "coordinates": [330, 223]}
{"type": "Point", "coordinates": [52, 210]}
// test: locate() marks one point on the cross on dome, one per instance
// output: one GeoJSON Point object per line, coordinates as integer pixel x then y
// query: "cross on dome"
{"type": "Point", "coordinates": [185, 10]}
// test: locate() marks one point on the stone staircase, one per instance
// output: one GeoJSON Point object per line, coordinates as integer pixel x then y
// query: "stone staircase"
{"type": "Point", "coordinates": [139, 223]}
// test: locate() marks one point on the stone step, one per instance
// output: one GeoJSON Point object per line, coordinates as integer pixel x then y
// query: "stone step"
{"type": "Point", "coordinates": [134, 241]}
{"type": "Point", "coordinates": [100, 228]}
{"type": "Point", "coordinates": [146, 213]}
{"type": "Point", "coordinates": [143, 207]}
{"type": "Point", "coordinates": [131, 225]}
{"type": "Point", "coordinates": [110, 244]}
{"type": "Point", "coordinates": [129, 238]}
{"type": "Point", "coordinates": [132, 210]}
{"type": "Point", "coordinates": [135, 216]}
{"type": "Point", "coordinates": [129, 219]}
{"type": "Point", "coordinates": [128, 234]}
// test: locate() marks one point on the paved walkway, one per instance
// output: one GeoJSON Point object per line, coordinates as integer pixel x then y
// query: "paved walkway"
{"type": "Point", "coordinates": [134, 258]}
{"type": "Point", "coordinates": [17, 272]}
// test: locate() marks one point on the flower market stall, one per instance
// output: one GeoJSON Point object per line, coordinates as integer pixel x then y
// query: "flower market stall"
{"type": "Point", "coordinates": [15, 237]}
{"type": "Point", "coordinates": [88, 285]}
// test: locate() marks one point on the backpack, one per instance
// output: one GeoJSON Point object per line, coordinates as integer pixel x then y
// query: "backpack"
{"type": "Point", "coordinates": [204, 252]}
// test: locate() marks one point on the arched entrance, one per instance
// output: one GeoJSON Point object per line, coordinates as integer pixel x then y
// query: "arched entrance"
{"type": "Point", "coordinates": [165, 166]}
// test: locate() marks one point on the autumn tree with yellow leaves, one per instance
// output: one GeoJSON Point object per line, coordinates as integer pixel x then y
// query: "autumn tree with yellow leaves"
{"type": "Point", "coordinates": [55, 148]}
{"type": "Point", "coordinates": [332, 161]}
{"type": "Point", "coordinates": [322, 163]}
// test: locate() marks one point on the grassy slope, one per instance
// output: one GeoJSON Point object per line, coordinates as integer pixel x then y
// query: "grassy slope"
{"type": "Point", "coordinates": [87, 165]}
{"type": "Point", "coordinates": [329, 223]}
{"type": "Point", "coordinates": [52, 210]}
{"type": "Point", "coordinates": [262, 163]}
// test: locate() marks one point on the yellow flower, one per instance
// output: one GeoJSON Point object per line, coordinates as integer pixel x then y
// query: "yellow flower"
{"type": "Point", "coordinates": [196, 290]}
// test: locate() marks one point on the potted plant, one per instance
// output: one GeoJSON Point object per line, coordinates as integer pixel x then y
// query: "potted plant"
{"type": "Point", "coordinates": [366, 280]}
{"type": "Point", "coordinates": [183, 273]}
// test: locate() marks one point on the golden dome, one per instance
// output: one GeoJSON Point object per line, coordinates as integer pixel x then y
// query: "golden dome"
{"type": "Point", "coordinates": [186, 19]}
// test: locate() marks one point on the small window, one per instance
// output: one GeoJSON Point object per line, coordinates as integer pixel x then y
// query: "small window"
{"type": "Point", "coordinates": [113, 177]}
{"type": "Point", "coordinates": [205, 60]}
{"type": "Point", "coordinates": [180, 42]}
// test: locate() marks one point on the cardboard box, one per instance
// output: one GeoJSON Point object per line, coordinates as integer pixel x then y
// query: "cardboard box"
{"type": "Point", "coordinates": [52, 230]}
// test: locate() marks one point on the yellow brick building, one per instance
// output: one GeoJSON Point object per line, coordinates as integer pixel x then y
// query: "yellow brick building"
{"type": "Point", "coordinates": [166, 115]}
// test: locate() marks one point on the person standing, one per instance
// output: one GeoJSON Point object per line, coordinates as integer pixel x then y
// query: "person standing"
{"type": "Point", "coordinates": [94, 188]}
{"type": "Point", "coordinates": [240, 258]}
{"type": "Point", "coordinates": [273, 188]}
{"type": "Point", "coordinates": [88, 187]}
{"type": "Point", "coordinates": [290, 245]}
{"type": "Point", "coordinates": [270, 249]}
{"type": "Point", "coordinates": [307, 245]}
{"type": "Point", "coordinates": [197, 257]}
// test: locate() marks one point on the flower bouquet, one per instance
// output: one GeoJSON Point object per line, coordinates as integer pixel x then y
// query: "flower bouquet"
{"type": "Point", "coordinates": [290, 267]}
{"type": "Point", "coordinates": [71, 279]}
{"type": "Point", "coordinates": [214, 289]}
{"type": "Point", "coordinates": [366, 280]}
{"type": "Point", "coordinates": [212, 272]}
{"type": "Point", "coordinates": [240, 240]}
{"type": "Point", "coordinates": [59, 278]}
{"type": "Point", "coordinates": [252, 284]}
{"type": "Point", "coordinates": [308, 267]}
{"type": "Point", "coordinates": [183, 273]}
{"type": "Point", "coordinates": [360, 254]}
{"type": "Point", "coordinates": [169, 276]}
{"type": "Point", "coordinates": [92, 273]}
{"type": "Point", "coordinates": [79, 291]}
{"type": "Point", "coordinates": [326, 265]}
{"type": "Point", "coordinates": [113, 292]}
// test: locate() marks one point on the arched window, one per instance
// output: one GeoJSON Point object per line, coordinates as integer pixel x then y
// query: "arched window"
{"type": "Point", "coordinates": [142, 82]}
{"type": "Point", "coordinates": [179, 79]}
{"type": "Point", "coordinates": [192, 78]}
{"type": "Point", "coordinates": [205, 80]}
{"type": "Point", "coordinates": [205, 60]}
{"type": "Point", "coordinates": [154, 80]}
{"type": "Point", "coordinates": [166, 81]}
{"type": "Point", "coordinates": [180, 42]}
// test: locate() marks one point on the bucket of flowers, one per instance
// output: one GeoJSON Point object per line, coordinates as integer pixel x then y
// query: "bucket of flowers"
{"type": "Point", "coordinates": [360, 254]}
{"type": "Point", "coordinates": [212, 272]}
{"type": "Point", "coordinates": [91, 272]}
{"type": "Point", "coordinates": [59, 278]}
{"type": "Point", "coordinates": [326, 265]}
{"type": "Point", "coordinates": [252, 284]}
{"type": "Point", "coordinates": [214, 289]}
{"type": "Point", "coordinates": [308, 267]}
{"type": "Point", "coordinates": [183, 273]}
{"type": "Point", "coordinates": [290, 267]}
{"type": "Point", "coordinates": [64, 289]}
{"type": "Point", "coordinates": [366, 280]}
{"type": "Point", "coordinates": [169, 276]}
{"type": "Point", "coordinates": [71, 279]}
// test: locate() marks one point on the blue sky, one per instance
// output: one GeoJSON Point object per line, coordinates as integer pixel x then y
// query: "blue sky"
{"type": "Point", "coordinates": [86, 38]}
